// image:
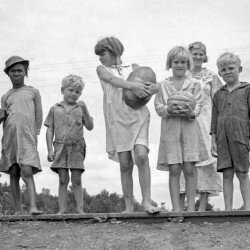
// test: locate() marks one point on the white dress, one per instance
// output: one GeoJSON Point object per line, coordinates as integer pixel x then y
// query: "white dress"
{"type": "Point", "coordinates": [207, 177]}
{"type": "Point", "coordinates": [125, 126]}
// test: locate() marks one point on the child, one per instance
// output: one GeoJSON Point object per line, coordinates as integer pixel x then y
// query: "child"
{"type": "Point", "coordinates": [230, 129]}
{"type": "Point", "coordinates": [21, 125]}
{"type": "Point", "coordinates": [126, 128]}
{"type": "Point", "coordinates": [178, 148]}
{"type": "Point", "coordinates": [65, 122]}
{"type": "Point", "coordinates": [209, 181]}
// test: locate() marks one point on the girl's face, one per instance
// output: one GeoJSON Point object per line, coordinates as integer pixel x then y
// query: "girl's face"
{"type": "Point", "coordinates": [17, 74]}
{"type": "Point", "coordinates": [179, 66]}
{"type": "Point", "coordinates": [71, 94]}
{"type": "Point", "coordinates": [198, 56]}
{"type": "Point", "coordinates": [107, 59]}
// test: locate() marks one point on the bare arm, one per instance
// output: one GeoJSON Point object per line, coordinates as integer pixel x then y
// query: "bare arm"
{"type": "Point", "coordinates": [88, 120]}
{"type": "Point", "coordinates": [214, 151]}
{"type": "Point", "coordinates": [38, 112]}
{"type": "Point", "coordinates": [49, 141]}
{"type": "Point", "coordinates": [140, 89]}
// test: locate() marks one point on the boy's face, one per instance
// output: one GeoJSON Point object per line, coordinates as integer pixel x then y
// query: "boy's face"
{"type": "Point", "coordinates": [179, 66]}
{"type": "Point", "coordinates": [107, 59]}
{"type": "Point", "coordinates": [17, 74]}
{"type": "Point", "coordinates": [71, 94]}
{"type": "Point", "coordinates": [230, 72]}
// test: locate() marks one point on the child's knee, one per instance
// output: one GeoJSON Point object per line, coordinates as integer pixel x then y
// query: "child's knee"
{"type": "Point", "coordinates": [26, 172]}
{"type": "Point", "coordinates": [63, 179]}
{"type": "Point", "coordinates": [141, 159]}
{"type": "Point", "coordinates": [174, 171]}
{"type": "Point", "coordinates": [241, 175]}
{"type": "Point", "coordinates": [76, 180]}
{"type": "Point", "coordinates": [126, 166]}
{"type": "Point", "coordinates": [228, 174]}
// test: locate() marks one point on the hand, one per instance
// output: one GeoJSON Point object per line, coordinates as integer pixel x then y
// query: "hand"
{"type": "Point", "coordinates": [214, 151]}
{"type": "Point", "coordinates": [51, 155]}
{"type": "Point", "coordinates": [154, 87]}
{"type": "Point", "coordinates": [83, 106]}
{"type": "Point", "coordinates": [172, 109]}
{"type": "Point", "coordinates": [186, 111]}
{"type": "Point", "coordinates": [141, 89]}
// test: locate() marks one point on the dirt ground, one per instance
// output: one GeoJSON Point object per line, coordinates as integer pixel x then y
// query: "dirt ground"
{"type": "Point", "coordinates": [123, 235]}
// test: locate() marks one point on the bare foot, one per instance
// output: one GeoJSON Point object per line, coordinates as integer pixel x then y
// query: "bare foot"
{"type": "Point", "coordinates": [80, 212]}
{"type": "Point", "coordinates": [151, 209]}
{"type": "Point", "coordinates": [128, 211]}
{"type": "Point", "coordinates": [35, 212]}
{"type": "Point", "coordinates": [61, 213]}
{"type": "Point", "coordinates": [19, 213]}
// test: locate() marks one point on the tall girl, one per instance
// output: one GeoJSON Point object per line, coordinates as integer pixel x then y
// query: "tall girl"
{"type": "Point", "coordinates": [209, 182]}
{"type": "Point", "coordinates": [126, 128]}
{"type": "Point", "coordinates": [178, 149]}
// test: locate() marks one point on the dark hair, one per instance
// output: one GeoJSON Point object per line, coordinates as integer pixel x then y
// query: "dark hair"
{"type": "Point", "coordinates": [111, 44]}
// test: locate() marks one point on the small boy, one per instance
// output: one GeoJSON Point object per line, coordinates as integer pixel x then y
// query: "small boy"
{"type": "Point", "coordinates": [230, 129]}
{"type": "Point", "coordinates": [65, 122]}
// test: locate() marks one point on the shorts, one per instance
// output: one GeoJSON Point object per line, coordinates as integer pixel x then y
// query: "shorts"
{"type": "Point", "coordinates": [69, 156]}
{"type": "Point", "coordinates": [232, 154]}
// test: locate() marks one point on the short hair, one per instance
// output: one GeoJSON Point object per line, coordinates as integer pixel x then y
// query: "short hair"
{"type": "Point", "coordinates": [201, 46]}
{"type": "Point", "coordinates": [111, 44]}
{"type": "Point", "coordinates": [228, 58]}
{"type": "Point", "coordinates": [72, 81]}
{"type": "Point", "coordinates": [179, 51]}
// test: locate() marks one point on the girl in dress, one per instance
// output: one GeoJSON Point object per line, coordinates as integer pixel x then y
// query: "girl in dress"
{"type": "Point", "coordinates": [21, 126]}
{"type": "Point", "coordinates": [126, 128]}
{"type": "Point", "coordinates": [209, 182]}
{"type": "Point", "coordinates": [178, 149]}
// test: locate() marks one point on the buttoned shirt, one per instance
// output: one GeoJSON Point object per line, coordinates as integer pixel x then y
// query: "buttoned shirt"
{"type": "Point", "coordinates": [230, 112]}
{"type": "Point", "coordinates": [67, 125]}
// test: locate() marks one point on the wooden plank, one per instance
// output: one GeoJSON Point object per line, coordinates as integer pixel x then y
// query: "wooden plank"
{"type": "Point", "coordinates": [195, 217]}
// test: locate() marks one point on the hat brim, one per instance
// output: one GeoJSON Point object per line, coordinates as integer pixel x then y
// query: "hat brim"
{"type": "Point", "coordinates": [26, 62]}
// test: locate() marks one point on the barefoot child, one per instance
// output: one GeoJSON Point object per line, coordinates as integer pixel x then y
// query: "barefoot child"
{"type": "Point", "coordinates": [126, 128]}
{"type": "Point", "coordinates": [22, 124]}
{"type": "Point", "coordinates": [65, 123]}
{"type": "Point", "coordinates": [178, 149]}
{"type": "Point", "coordinates": [230, 129]}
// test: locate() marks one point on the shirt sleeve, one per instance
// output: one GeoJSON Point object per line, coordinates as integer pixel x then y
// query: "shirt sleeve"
{"type": "Point", "coordinates": [38, 111]}
{"type": "Point", "coordinates": [214, 116]}
{"type": "Point", "coordinates": [160, 107]}
{"type": "Point", "coordinates": [49, 121]}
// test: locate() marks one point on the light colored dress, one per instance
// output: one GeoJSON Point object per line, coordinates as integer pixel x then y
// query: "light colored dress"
{"type": "Point", "coordinates": [208, 180]}
{"type": "Point", "coordinates": [20, 129]}
{"type": "Point", "coordinates": [179, 135]}
{"type": "Point", "coordinates": [125, 126]}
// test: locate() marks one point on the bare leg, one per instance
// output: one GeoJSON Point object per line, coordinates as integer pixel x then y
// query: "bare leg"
{"type": "Point", "coordinates": [182, 200]}
{"type": "Point", "coordinates": [141, 159]}
{"type": "Point", "coordinates": [174, 186]}
{"type": "Point", "coordinates": [62, 193]}
{"type": "Point", "coordinates": [228, 187]}
{"type": "Point", "coordinates": [190, 185]}
{"type": "Point", "coordinates": [126, 168]}
{"type": "Point", "coordinates": [244, 188]}
{"type": "Point", "coordinates": [76, 180]}
{"type": "Point", "coordinates": [203, 201]}
{"type": "Point", "coordinates": [15, 174]}
{"type": "Point", "coordinates": [27, 176]}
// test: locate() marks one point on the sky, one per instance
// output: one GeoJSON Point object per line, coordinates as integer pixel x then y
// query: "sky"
{"type": "Point", "coordinates": [58, 37]}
